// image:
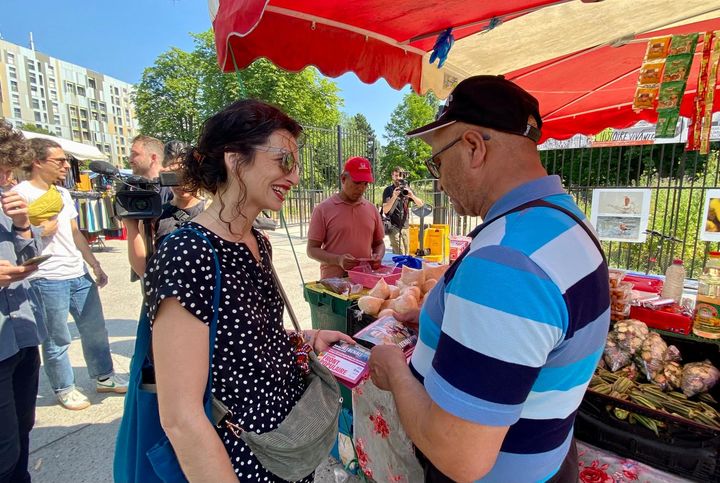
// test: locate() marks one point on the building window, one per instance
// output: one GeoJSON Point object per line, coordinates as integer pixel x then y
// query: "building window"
{"type": "Point", "coordinates": [93, 104]}
{"type": "Point", "coordinates": [117, 91]}
{"type": "Point", "coordinates": [10, 58]}
{"type": "Point", "coordinates": [33, 88]}
{"type": "Point", "coordinates": [74, 122]}
{"type": "Point", "coordinates": [53, 95]}
{"type": "Point", "coordinates": [31, 65]}
{"type": "Point", "coordinates": [51, 82]}
{"type": "Point", "coordinates": [73, 110]}
{"type": "Point", "coordinates": [70, 87]}
{"type": "Point", "coordinates": [32, 78]}
{"type": "Point", "coordinates": [107, 148]}
{"type": "Point", "coordinates": [38, 117]}
{"type": "Point", "coordinates": [84, 124]}
{"type": "Point", "coordinates": [80, 90]}
{"type": "Point", "coordinates": [91, 83]}
{"type": "Point", "coordinates": [12, 72]}
{"type": "Point", "coordinates": [17, 112]}
{"type": "Point", "coordinates": [56, 119]}
{"type": "Point", "coordinates": [16, 98]}
{"type": "Point", "coordinates": [14, 86]}
{"type": "Point", "coordinates": [35, 104]}
{"type": "Point", "coordinates": [50, 69]}
{"type": "Point", "coordinates": [103, 107]}
{"type": "Point", "coordinates": [45, 117]}
{"type": "Point", "coordinates": [83, 113]}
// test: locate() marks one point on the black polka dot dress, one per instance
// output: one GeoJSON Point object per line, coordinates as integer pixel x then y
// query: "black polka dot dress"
{"type": "Point", "coordinates": [253, 369]}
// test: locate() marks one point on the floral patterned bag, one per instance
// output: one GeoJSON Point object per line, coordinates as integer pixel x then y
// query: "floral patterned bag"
{"type": "Point", "coordinates": [384, 451]}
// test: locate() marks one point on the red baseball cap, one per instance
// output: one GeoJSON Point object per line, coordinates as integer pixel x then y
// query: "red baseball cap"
{"type": "Point", "coordinates": [359, 169]}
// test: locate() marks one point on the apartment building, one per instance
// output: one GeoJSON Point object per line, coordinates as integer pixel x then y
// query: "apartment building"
{"type": "Point", "coordinates": [68, 100]}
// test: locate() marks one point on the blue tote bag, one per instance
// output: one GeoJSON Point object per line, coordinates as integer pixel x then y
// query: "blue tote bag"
{"type": "Point", "coordinates": [143, 453]}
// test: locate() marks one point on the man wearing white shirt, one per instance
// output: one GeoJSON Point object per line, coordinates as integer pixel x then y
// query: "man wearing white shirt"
{"type": "Point", "coordinates": [67, 287]}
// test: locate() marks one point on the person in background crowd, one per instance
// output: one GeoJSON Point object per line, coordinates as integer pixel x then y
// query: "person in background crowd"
{"type": "Point", "coordinates": [22, 325]}
{"type": "Point", "coordinates": [66, 287]}
{"type": "Point", "coordinates": [148, 156]}
{"type": "Point", "coordinates": [396, 206]}
{"type": "Point", "coordinates": [246, 158]}
{"type": "Point", "coordinates": [182, 207]}
{"type": "Point", "coordinates": [511, 334]}
{"type": "Point", "coordinates": [346, 229]}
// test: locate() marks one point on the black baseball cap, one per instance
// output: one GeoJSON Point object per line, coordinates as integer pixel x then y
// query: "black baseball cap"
{"type": "Point", "coordinates": [491, 101]}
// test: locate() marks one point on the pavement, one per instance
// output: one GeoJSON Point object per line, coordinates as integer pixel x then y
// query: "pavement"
{"type": "Point", "coordinates": [78, 446]}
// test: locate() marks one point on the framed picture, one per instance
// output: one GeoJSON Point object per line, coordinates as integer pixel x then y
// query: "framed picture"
{"type": "Point", "coordinates": [621, 214]}
{"type": "Point", "coordinates": [710, 229]}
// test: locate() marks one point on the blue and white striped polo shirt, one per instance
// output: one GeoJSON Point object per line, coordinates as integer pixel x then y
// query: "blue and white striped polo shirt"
{"type": "Point", "coordinates": [514, 338]}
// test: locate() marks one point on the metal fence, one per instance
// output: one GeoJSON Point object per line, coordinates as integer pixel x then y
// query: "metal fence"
{"type": "Point", "coordinates": [322, 157]}
{"type": "Point", "coordinates": [677, 180]}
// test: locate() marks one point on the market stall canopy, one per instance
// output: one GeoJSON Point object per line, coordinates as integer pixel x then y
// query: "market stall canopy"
{"type": "Point", "coordinates": [526, 40]}
{"type": "Point", "coordinates": [78, 150]}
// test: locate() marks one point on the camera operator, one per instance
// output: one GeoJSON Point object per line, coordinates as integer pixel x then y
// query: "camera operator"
{"type": "Point", "coordinates": [181, 206]}
{"type": "Point", "coordinates": [396, 201]}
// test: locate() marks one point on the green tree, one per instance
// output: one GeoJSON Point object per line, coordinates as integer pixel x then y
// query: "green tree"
{"type": "Point", "coordinates": [34, 128]}
{"type": "Point", "coordinates": [182, 89]}
{"type": "Point", "coordinates": [409, 153]}
{"type": "Point", "coordinates": [167, 100]}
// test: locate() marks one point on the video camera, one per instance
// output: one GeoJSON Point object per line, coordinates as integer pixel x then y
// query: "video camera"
{"type": "Point", "coordinates": [403, 185]}
{"type": "Point", "coordinates": [136, 197]}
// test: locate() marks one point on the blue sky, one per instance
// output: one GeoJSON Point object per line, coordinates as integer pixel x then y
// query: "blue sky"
{"type": "Point", "coordinates": [121, 38]}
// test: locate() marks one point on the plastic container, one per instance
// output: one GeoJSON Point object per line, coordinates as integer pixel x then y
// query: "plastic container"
{"type": "Point", "coordinates": [368, 277]}
{"type": "Point", "coordinates": [674, 281]}
{"type": "Point", "coordinates": [707, 306]}
{"type": "Point", "coordinates": [327, 310]}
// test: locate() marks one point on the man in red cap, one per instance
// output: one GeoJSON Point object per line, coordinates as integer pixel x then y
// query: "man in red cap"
{"type": "Point", "coordinates": [346, 229]}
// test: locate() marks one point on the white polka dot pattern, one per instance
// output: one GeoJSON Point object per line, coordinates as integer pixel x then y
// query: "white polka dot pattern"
{"type": "Point", "coordinates": [253, 371]}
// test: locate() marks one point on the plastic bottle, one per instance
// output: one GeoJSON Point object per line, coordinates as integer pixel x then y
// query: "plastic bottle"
{"type": "Point", "coordinates": [707, 307]}
{"type": "Point", "coordinates": [674, 281]}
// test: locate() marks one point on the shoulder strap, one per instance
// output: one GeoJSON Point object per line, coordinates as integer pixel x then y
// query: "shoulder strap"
{"type": "Point", "coordinates": [216, 300]}
{"type": "Point", "coordinates": [450, 273]}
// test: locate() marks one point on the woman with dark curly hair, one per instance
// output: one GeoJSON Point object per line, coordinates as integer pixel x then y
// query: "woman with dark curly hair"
{"type": "Point", "coordinates": [22, 326]}
{"type": "Point", "coordinates": [247, 158]}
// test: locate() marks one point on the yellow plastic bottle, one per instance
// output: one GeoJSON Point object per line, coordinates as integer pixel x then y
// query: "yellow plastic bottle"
{"type": "Point", "coordinates": [707, 306]}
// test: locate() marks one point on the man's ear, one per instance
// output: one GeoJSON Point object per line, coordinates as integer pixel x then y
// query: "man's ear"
{"type": "Point", "coordinates": [478, 147]}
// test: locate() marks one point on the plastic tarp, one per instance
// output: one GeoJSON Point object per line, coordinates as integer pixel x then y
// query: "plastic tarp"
{"type": "Point", "coordinates": [560, 51]}
{"type": "Point", "coordinates": [78, 150]}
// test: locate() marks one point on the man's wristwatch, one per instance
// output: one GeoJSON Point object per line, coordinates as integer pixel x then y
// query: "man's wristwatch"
{"type": "Point", "coordinates": [21, 230]}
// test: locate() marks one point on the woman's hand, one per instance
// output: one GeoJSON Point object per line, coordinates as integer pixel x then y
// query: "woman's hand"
{"type": "Point", "coordinates": [323, 339]}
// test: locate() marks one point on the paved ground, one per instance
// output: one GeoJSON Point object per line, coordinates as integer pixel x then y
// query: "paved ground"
{"type": "Point", "coordinates": [77, 446]}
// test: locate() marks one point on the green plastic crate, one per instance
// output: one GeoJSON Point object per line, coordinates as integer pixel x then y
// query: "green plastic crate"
{"type": "Point", "coordinates": [327, 310]}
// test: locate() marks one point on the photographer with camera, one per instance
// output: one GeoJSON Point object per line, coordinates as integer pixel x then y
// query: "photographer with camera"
{"type": "Point", "coordinates": [182, 207]}
{"type": "Point", "coordinates": [65, 284]}
{"type": "Point", "coordinates": [396, 201]}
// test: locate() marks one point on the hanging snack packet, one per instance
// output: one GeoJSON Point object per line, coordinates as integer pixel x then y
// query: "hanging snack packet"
{"type": "Point", "coordinates": [667, 123]}
{"type": "Point", "coordinates": [683, 44]}
{"type": "Point", "coordinates": [645, 97]}
{"type": "Point", "coordinates": [670, 95]}
{"type": "Point", "coordinates": [651, 72]}
{"type": "Point", "coordinates": [658, 48]}
{"type": "Point", "coordinates": [677, 68]}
